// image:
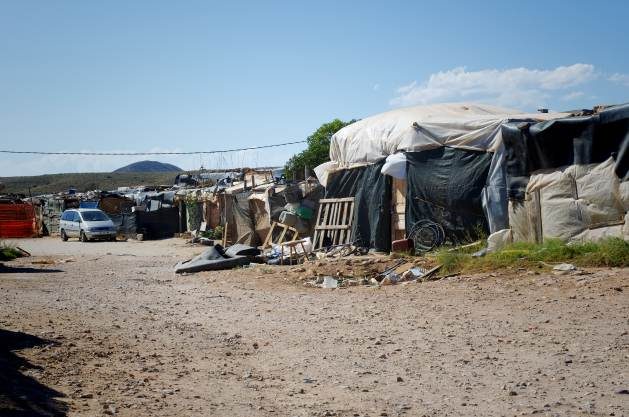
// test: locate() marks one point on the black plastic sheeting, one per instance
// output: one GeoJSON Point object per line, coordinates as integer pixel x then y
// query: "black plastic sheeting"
{"type": "Point", "coordinates": [125, 223]}
{"type": "Point", "coordinates": [562, 142]}
{"type": "Point", "coordinates": [372, 213]}
{"type": "Point", "coordinates": [444, 186]}
{"type": "Point", "coordinates": [211, 259]}
{"type": "Point", "coordinates": [276, 204]}
{"type": "Point", "coordinates": [158, 224]}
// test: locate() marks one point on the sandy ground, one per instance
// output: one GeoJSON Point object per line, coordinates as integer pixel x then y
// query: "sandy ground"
{"type": "Point", "coordinates": [108, 329]}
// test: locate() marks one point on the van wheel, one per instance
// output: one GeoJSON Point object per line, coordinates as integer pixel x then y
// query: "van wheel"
{"type": "Point", "coordinates": [83, 238]}
{"type": "Point", "coordinates": [64, 237]}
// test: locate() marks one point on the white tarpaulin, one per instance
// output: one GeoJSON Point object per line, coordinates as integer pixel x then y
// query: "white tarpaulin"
{"type": "Point", "coordinates": [458, 125]}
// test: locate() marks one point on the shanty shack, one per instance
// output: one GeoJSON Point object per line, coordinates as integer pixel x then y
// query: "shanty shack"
{"type": "Point", "coordinates": [447, 172]}
{"type": "Point", "coordinates": [568, 178]}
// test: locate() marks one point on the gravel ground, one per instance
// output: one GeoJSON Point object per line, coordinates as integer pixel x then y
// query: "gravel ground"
{"type": "Point", "coordinates": [107, 329]}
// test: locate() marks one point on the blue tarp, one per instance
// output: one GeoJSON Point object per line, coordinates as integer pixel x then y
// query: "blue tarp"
{"type": "Point", "coordinates": [88, 204]}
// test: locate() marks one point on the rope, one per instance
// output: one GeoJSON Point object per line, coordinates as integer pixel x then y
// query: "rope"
{"type": "Point", "coordinates": [151, 153]}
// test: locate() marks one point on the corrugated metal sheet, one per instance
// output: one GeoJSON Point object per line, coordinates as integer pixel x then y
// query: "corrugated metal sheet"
{"type": "Point", "coordinates": [17, 220]}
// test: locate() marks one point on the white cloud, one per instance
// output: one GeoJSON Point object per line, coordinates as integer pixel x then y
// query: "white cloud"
{"type": "Point", "coordinates": [573, 95]}
{"type": "Point", "coordinates": [514, 86]}
{"type": "Point", "coordinates": [620, 79]}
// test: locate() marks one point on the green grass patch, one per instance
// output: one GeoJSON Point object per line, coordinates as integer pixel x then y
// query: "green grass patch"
{"type": "Point", "coordinates": [613, 252]}
{"type": "Point", "coordinates": [8, 252]}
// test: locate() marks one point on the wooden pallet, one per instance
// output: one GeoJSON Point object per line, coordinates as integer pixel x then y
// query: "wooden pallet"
{"type": "Point", "coordinates": [285, 228]}
{"type": "Point", "coordinates": [334, 220]}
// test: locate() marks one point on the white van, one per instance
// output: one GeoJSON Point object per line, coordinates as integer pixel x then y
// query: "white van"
{"type": "Point", "coordinates": [86, 224]}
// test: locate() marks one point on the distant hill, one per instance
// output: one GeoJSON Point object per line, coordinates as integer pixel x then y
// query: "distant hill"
{"type": "Point", "coordinates": [149, 166]}
{"type": "Point", "coordinates": [54, 183]}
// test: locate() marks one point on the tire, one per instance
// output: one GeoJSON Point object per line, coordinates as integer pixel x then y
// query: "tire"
{"type": "Point", "coordinates": [112, 239]}
{"type": "Point", "coordinates": [82, 237]}
{"type": "Point", "coordinates": [64, 237]}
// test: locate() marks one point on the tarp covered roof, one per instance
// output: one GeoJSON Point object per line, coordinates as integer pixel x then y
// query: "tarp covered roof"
{"type": "Point", "coordinates": [458, 125]}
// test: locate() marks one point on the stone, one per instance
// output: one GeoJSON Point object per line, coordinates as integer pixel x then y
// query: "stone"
{"type": "Point", "coordinates": [329, 282]}
{"type": "Point", "coordinates": [564, 268]}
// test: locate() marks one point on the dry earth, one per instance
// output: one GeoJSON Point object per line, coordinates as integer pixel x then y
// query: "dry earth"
{"type": "Point", "coordinates": [108, 329]}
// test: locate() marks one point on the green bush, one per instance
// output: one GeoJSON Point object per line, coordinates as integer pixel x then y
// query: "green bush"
{"type": "Point", "coordinates": [216, 233]}
{"type": "Point", "coordinates": [8, 252]}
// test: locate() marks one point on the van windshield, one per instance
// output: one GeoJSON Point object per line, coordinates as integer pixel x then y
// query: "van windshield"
{"type": "Point", "coordinates": [94, 216]}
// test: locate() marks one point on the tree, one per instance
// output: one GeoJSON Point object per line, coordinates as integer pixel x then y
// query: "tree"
{"type": "Point", "coordinates": [317, 152]}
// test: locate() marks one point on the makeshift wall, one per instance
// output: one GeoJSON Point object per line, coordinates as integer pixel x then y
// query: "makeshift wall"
{"type": "Point", "coordinates": [445, 186]}
{"type": "Point", "coordinates": [118, 208]}
{"type": "Point", "coordinates": [237, 218]}
{"type": "Point", "coordinates": [125, 223]}
{"type": "Point", "coordinates": [575, 203]}
{"type": "Point", "coordinates": [211, 214]}
{"type": "Point", "coordinates": [530, 147]}
{"type": "Point", "coordinates": [261, 218]}
{"type": "Point", "coordinates": [158, 224]}
{"type": "Point", "coordinates": [372, 192]}
{"type": "Point", "coordinates": [17, 220]}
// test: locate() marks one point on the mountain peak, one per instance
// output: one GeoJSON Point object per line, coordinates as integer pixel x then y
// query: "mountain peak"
{"type": "Point", "coordinates": [149, 166]}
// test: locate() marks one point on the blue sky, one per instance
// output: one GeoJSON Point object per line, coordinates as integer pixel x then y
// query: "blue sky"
{"type": "Point", "coordinates": [203, 75]}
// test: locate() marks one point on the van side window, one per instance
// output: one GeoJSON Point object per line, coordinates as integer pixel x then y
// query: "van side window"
{"type": "Point", "coordinates": [77, 217]}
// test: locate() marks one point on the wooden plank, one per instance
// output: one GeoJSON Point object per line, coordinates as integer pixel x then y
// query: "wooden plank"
{"type": "Point", "coordinates": [224, 242]}
{"type": "Point", "coordinates": [316, 237]}
{"type": "Point", "coordinates": [350, 220]}
{"type": "Point", "coordinates": [325, 221]}
{"type": "Point", "coordinates": [534, 212]}
{"type": "Point", "coordinates": [335, 200]}
{"type": "Point", "coordinates": [269, 236]}
{"type": "Point", "coordinates": [284, 229]}
{"type": "Point", "coordinates": [335, 227]}
{"type": "Point", "coordinates": [343, 216]}
{"type": "Point", "coordinates": [334, 220]}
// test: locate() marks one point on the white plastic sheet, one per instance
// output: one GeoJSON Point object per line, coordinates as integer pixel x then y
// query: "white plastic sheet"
{"type": "Point", "coordinates": [395, 166]}
{"type": "Point", "coordinates": [459, 125]}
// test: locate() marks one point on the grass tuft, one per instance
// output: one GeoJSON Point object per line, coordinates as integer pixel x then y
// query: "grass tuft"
{"type": "Point", "coordinates": [612, 252]}
{"type": "Point", "coordinates": [8, 252]}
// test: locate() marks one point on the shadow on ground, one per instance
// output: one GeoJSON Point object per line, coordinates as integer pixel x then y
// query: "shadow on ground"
{"type": "Point", "coordinates": [25, 270]}
{"type": "Point", "coordinates": [22, 395]}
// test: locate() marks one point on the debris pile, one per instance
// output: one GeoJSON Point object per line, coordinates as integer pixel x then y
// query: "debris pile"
{"type": "Point", "coordinates": [372, 270]}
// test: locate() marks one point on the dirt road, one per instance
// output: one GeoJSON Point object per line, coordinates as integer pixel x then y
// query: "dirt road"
{"type": "Point", "coordinates": [113, 330]}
